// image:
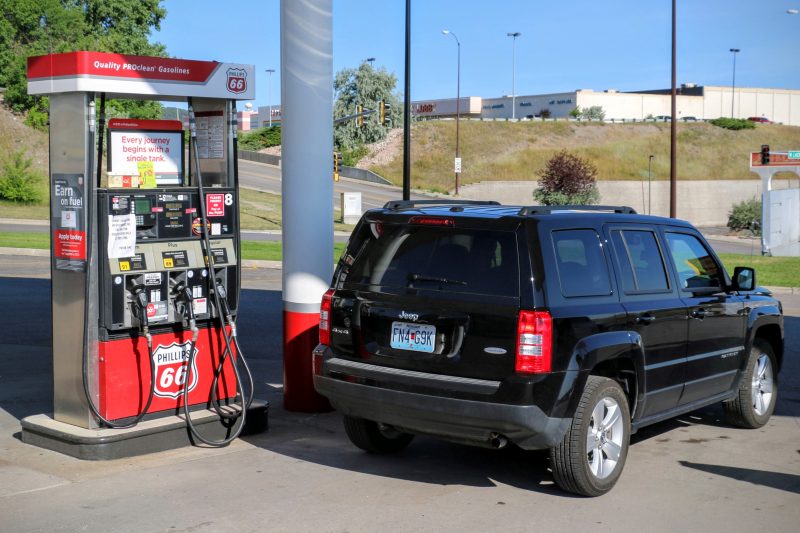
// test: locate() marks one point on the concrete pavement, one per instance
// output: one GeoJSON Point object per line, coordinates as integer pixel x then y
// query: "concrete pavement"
{"type": "Point", "coordinates": [694, 473]}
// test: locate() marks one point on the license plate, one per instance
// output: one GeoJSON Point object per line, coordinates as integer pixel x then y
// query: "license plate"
{"type": "Point", "coordinates": [414, 337]}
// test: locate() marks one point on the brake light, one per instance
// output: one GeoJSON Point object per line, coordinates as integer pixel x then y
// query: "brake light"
{"type": "Point", "coordinates": [432, 221]}
{"type": "Point", "coordinates": [325, 318]}
{"type": "Point", "coordinates": [534, 342]}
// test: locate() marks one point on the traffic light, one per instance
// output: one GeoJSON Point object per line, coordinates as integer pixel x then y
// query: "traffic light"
{"type": "Point", "coordinates": [337, 165]}
{"type": "Point", "coordinates": [385, 111]}
{"type": "Point", "coordinates": [765, 154]}
{"type": "Point", "coordinates": [359, 112]}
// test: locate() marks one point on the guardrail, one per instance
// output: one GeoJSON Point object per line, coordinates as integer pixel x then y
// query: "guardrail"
{"type": "Point", "coordinates": [347, 172]}
{"type": "Point", "coordinates": [258, 157]}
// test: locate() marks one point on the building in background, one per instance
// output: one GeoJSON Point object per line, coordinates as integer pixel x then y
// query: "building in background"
{"type": "Point", "coordinates": [247, 120]}
{"type": "Point", "coordinates": [264, 112]}
{"type": "Point", "coordinates": [693, 102]}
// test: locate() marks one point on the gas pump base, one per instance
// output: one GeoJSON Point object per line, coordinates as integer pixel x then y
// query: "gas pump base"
{"type": "Point", "coordinates": [149, 436]}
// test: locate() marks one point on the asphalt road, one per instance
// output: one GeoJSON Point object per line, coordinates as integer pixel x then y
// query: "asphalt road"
{"type": "Point", "coordinates": [693, 473]}
{"type": "Point", "coordinates": [267, 178]}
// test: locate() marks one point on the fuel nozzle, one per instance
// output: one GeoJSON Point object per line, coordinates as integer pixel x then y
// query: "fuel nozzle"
{"type": "Point", "coordinates": [140, 303]}
{"type": "Point", "coordinates": [219, 288]}
{"type": "Point", "coordinates": [183, 302]}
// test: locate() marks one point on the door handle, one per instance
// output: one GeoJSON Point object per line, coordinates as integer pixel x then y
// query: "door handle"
{"type": "Point", "coordinates": [645, 319]}
{"type": "Point", "coordinates": [699, 313]}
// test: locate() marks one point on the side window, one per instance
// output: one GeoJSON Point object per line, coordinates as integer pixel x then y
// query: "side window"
{"type": "Point", "coordinates": [582, 269]}
{"type": "Point", "coordinates": [696, 268]}
{"type": "Point", "coordinates": [642, 265]}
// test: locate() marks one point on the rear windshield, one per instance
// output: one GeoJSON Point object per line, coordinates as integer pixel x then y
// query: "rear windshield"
{"type": "Point", "coordinates": [435, 258]}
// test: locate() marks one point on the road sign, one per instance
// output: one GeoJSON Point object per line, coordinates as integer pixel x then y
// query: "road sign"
{"type": "Point", "coordinates": [794, 154]}
{"type": "Point", "coordinates": [458, 165]}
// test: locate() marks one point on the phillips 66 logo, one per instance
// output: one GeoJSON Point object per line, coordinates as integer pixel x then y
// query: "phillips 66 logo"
{"type": "Point", "coordinates": [237, 80]}
{"type": "Point", "coordinates": [170, 362]}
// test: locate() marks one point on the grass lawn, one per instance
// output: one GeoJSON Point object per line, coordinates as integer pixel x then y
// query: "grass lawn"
{"type": "Point", "coordinates": [773, 271]}
{"type": "Point", "coordinates": [258, 211]}
{"type": "Point", "coordinates": [260, 250]}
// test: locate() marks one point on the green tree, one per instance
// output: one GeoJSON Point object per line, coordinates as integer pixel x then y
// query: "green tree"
{"type": "Point", "coordinates": [36, 27]}
{"type": "Point", "coordinates": [364, 86]}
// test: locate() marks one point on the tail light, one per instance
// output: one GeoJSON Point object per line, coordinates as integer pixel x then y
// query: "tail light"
{"type": "Point", "coordinates": [325, 318]}
{"type": "Point", "coordinates": [432, 221]}
{"type": "Point", "coordinates": [534, 342]}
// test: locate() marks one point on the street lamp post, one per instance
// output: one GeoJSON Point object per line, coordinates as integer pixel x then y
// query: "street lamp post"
{"type": "Point", "coordinates": [733, 82]}
{"type": "Point", "coordinates": [513, 36]}
{"type": "Point", "coordinates": [269, 94]}
{"type": "Point", "coordinates": [370, 60]}
{"type": "Point", "coordinates": [458, 106]}
{"type": "Point", "coordinates": [650, 185]}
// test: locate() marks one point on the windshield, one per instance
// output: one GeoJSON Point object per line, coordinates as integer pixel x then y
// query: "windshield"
{"type": "Point", "coordinates": [436, 258]}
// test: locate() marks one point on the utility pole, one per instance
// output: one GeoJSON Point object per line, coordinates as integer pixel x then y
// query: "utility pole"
{"type": "Point", "coordinates": [733, 81]}
{"type": "Point", "coordinates": [513, 36]}
{"type": "Point", "coordinates": [269, 94]}
{"type": "Point", "coordinates": [673, 176]}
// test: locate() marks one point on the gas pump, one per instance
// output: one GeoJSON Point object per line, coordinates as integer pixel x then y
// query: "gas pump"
{"type": "Point", "coordinates": [145, 265]}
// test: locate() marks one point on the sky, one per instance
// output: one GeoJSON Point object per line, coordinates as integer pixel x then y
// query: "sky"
{"type": "Point", "coordinates": [564, 46]}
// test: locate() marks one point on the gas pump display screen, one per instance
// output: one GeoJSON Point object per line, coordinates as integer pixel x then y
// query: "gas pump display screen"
{"type": "Point", "coordinates": [175, 217]}
{"type": "Point", "coordinates": [142, 206]}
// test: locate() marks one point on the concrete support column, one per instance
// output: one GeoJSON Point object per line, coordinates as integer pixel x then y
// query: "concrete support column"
{"type": "Point", "coordinates": [307, 187]}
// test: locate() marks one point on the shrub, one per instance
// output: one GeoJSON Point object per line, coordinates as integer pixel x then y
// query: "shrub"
{"type": "Point", "coordinates": [260, 138]}
{"type": "Point", "coordinates": [575, 112]}
{"type": "Point", "coordinates": [746, 215]}
{"type": "Point", "coordinates": [544, 113]}
{"type": "Point", "coordinates": [37, 119]}
{"type": "Point", "coordinates": [733, 123]}
{"type": "Point", "coordinates": [18, 181]}
{"type": "Point", "coordinates": [567, 179]}
{"type": "Point", "coordinates": [593, 113]}
{"type": "Point", "coordinates": [350, 158]}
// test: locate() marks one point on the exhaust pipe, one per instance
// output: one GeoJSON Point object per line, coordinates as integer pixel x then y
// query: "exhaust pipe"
{"type": "Point", "coordinates": [497, 440]}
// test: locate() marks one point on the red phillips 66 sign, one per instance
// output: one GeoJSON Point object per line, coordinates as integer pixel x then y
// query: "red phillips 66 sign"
{"type": "Point", "coordinates": [171, 365]}
{"type": "Point", "coordinates": [237, 80]}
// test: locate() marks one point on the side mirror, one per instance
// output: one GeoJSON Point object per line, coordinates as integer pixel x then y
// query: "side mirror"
{"type": "Point", "coordinates": [744, 279]}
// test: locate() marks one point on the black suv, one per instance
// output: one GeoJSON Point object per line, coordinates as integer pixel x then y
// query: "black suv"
{"type": "Point", "coordinates": [553, 328]}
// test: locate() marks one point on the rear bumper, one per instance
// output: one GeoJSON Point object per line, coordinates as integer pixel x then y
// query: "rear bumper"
{"type": "Point", "coordinates": [469, 421]}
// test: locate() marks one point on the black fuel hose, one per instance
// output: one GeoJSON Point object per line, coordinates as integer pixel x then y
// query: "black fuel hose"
{"type": "Point", "coordinates": [223, 329]}
{"type": "Point", "coordinates": [146, 332]}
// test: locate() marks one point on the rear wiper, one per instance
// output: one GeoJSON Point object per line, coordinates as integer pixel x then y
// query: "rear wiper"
{"type": "Point", "coordinates": [419, 277]}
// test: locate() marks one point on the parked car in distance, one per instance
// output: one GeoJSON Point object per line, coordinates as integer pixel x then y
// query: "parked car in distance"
{"type": "Point", "coordinates": [689, 119]}
{"type": "Point", "coordinates": [762, 120]}
{"type": "Point", "coordinates": [662, 118]}
{"type": "Point", "coordinates": [559, 328]}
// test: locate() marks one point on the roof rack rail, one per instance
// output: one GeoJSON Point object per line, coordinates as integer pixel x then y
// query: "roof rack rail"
{"type": "Point", "coordinates": [548, 209]}
{"type": "Point", "coordinates": [407, 204]}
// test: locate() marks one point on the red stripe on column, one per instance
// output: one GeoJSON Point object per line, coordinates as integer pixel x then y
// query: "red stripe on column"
{"type": "Point", "coordinates": [300, 337]}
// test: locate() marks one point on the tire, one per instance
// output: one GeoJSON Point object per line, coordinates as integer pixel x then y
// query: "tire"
{"type": "Point", "coordinates": [588, 462]}
{"type": "Point", "coordinates": [755, 400]}
{"type": "Point", "coordinates": [374, 437]}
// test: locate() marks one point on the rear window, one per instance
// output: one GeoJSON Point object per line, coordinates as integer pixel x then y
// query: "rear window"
{"type": "Point", "coordinates": [582, 269]}
{"type": "Point", "coordinates": [435, 258]}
